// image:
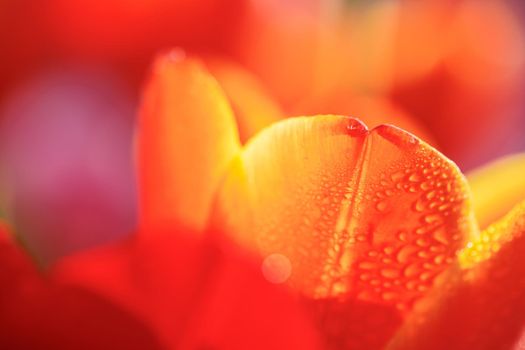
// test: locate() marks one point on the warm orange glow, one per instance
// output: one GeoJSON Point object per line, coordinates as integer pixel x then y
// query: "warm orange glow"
{"type": "Point", "coordinates": [188, 135]}
{"type": "Point", "coordinates": [497, 187]}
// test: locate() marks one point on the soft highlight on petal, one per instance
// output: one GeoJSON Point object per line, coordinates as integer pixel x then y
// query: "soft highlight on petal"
{"type": "Point", "coordinates": [367, 216]}
{"type": "Point", "coordinates": [480, 303]}
{"type": "Point", "coordinates": [497, 187]}
{"type": "Point", "coordinates": [253, 107]}
{"type": "Point", "coordinates": [187, 137]}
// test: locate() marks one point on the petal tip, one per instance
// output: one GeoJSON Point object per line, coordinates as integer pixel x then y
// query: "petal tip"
{"type": "Point", "coordinates": [396, 135]}
{"type": "Point", "coordinates": [355, 127]}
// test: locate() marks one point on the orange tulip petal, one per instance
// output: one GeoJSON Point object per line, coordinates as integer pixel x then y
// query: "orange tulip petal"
{"type": "Point", "coordinates": [497, 187]}
{"type": "Point", "coordinates": [372, 216]}
{"type": "Point", "coordinates": [254, 108]}
{"type": "Point", "coordinates": [188, 135]}
{"type": "Point", "coordinates": [481, 303]}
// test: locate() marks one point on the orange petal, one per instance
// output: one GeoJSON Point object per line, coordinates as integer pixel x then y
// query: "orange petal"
{"type": "Point", "coordinates": [372, 216]}
{"type": "Point", "coordinates": [254, 108]}
{"type": "Point", "coordinates": [187, 138]}
{"type": "Point", "coordinates": [497, 187]}
{"type": "Point", "coordinates": [481, 304]}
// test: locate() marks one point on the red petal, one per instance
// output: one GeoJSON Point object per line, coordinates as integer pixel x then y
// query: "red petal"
{"type": "Point", "coordinates": [194, 294]}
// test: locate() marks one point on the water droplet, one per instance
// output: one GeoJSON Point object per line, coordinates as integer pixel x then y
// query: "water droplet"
{"type": "Point", "coordinates": [367, 265]}
{"type": "Point", "coordinates": [427, 185]}
{"type": "Point", "coordinates": [402, 236]}
{"type": "Point", "coordinates": [355, 128]}
{"type": "Point", "coordinates": [365, 276]}
{"type": "Point", "coordinates": [422, 242]}
{"type": "Point", "coordinates": [431, 195]}
{"type": "Point", "coordinates": [412, 270]}
{"type": "Point", "coordinates": [419, 206]}
{"type": "Point", "coordinates": [381, 206]}
{"type": "Point", "coordinates": [423, 254]}
{"type": "Point", "coordinates": [373, 253]}
{"type": "Point", "coordinates": [440, 259]}
{"type": "Point", "coordinates": [433, 219]}
{"type": "Point", "coordinates": [404, 254]}
{"type": "Point", "coordinates": [390, 273]}
{"type": "Point", "coordinates": [388, 296]}
{"type": "Point", "coordinates": [387, 261]}
{"type": "Point", "coordinates": [388, 250]}
{"type": "Point", "coordinates": [415, 177]}
{"type": "Point", "coordinates": [397, 176]}
{"type": "Point", "coordinates": [375, 282]}
{"type": "Point", "coordinates": [440, 235]}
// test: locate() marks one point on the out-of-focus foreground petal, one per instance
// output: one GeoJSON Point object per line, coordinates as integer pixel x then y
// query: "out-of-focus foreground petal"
{"type": "Point", "coordinates": [497, 188]}
{"type": "Point", "coordinates": [480, 303]}
{"type": "Point", "coordinates": [36, 313]}
{"type": "Point", "coordinates": [347, 215]}
{"type": "Point", "coordinates": [254, 108]}
{"type": "Point", "coordinates": [195, 293]}
{"type": "Point", "coordinates": [188, 135]}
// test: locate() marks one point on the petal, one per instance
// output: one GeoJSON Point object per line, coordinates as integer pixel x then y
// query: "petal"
{"type": "Point", "coordinates": [36, 313]}
{"type": "Point", "coordinates": [254, 108]}
{"type": "Point", "coordinates": [194, 293]}
{"type": "Point", "coordinates": [481, 302]}
{"type": "Point", "coordinates": [14, 265]}
{"type": "Point", "coordinates": [497, 187]}
{"type": "Point", "coordinates": [187, 137]}
{"type": "Point", "coordinates": [41, 316]}
{"type": "Point", "coordinates": [372, 216]}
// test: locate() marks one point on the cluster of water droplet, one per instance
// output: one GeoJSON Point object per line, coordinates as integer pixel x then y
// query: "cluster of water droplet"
{"type": "Point", "coordinates": [408, 258]}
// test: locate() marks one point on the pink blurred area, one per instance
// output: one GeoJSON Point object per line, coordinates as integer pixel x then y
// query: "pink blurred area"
{"type": "Point", "coordinates": [71, 74]}
{"type": "Point", "coordinates": [67, 170]}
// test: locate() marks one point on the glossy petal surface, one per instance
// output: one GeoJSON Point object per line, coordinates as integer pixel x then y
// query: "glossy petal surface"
{"type": "Point", "coordinates": [194, 293]}
{"type": "Point", "coordinates": [253, 107]}
{"type": "Point", "coordinates": [497, 187]}
{"type": "Point", "coordinates": [481, 302]}
{"type": "Point", "coordinates": [369, 216]}
{"type": "Point", "coordinates": [188, 135]}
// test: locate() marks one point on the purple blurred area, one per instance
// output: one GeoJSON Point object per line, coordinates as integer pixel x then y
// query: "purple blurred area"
{"type": "Point", "coordinates": [66, 165]}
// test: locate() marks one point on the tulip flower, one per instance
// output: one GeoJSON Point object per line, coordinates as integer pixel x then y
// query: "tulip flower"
{"type": "Point", "coordinates": [317, 233]}
{"type": "Point", "coordinates": [312, 232]}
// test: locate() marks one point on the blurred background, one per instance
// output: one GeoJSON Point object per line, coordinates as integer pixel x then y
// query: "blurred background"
{"type": "Point", "coordinates": [71, 74]}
